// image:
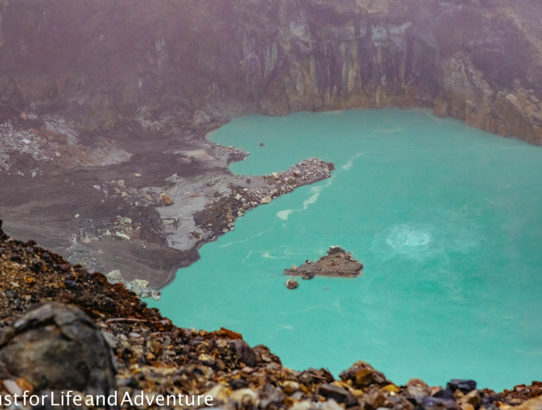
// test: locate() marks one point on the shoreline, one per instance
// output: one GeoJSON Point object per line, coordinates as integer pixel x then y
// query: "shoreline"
{"type": "Point", "coordinates": [126, 225]}
{"type": "Point", "coordinates": [145, 209]}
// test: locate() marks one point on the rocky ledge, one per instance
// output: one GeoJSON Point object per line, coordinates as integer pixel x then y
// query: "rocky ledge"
{"type": "Point", "coordinates": [337, 263]}
{"type": "Point", "coordinates": [110, 341]}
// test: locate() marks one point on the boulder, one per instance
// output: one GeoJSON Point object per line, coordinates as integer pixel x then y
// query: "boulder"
{"type": "Point", "coordinates": [56, 347]}
{"type": "Point", "coordinates": [362, 375]}
{"type": "Point", "coordinates": [244, 352]}
{"type": "Point", "coordinates": [464, 386]}
{"type": "Point", "coordinates": [312, 376]}
{"type": "Point", "coordinates": [292, 284]}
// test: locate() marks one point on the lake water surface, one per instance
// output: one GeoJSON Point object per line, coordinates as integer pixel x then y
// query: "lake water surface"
{"type": "Point", "coordinates": [447, 220]}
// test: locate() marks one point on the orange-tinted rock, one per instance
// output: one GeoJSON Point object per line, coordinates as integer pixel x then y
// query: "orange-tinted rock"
{"type": "Point", "coordinates": [166, 199]}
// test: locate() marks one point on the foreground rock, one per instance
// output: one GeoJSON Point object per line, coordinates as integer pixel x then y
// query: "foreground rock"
{"type": "Point", "coordinates": [337, 263]}
{"type": "Point", "coordinates": [152, 356]}
{"type": "Point", "coordinates": [57, 347]}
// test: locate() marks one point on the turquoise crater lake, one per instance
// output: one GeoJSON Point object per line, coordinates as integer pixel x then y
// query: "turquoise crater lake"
{"type": "Point", "coordinates": [447, 220]}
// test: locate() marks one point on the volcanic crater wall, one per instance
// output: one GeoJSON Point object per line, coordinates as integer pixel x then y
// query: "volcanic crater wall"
{"type": "Point", "coordinates": [99, 61]}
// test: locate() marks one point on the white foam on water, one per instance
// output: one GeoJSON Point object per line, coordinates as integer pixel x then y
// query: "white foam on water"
{"type": "Point", "coordinates": [402, 237]}
{"type": "Point", "coordinates": [226, 245]}
{"type": "Point", "coordinates": [410, 240]}
{"type": "Point", "coordinates": [350, 163]}
{"type": "Point", "coordinates": [246, 258]}
{"type": "Point", "coordinates": [316, 191]}
{"type": "Point", "coordinates": [312, 199]}
{"type": "Point", "coordinates": [284, 214]}
{"type": "Point", "coordinates": [422, 241]}
{"type": "Point", "coordinates": [267, 255]}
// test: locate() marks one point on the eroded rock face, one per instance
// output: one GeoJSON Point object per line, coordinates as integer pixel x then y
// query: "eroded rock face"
{"type": "Point", "coordinates": [57, 347]}
{"type": "Point", "coordinates": [476, 60]}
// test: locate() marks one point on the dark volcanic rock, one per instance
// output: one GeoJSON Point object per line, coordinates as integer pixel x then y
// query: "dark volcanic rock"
{"type": "Point", "coordinates": [3, 236]}
{"type": "Point", "coordinates": [444, 394]}
{"type": "Point", "coordinates": [362, 375]}
{"type": "Point", "coordinates": [243, 352]}
{"type": "Point", "coordinates": [459, 384]}
{"type": "Point", "coordinates": [337, 263]}
{"type": "Point", "coordinates": [339, 394]}
{"type": "Point", "coordinates": [292, 284]}
{"type": "Point", "coordinates": [58, 347]}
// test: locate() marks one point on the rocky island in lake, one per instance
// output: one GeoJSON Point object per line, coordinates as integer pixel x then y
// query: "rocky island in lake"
{"type": "Point", "coordinates": [336, 263]}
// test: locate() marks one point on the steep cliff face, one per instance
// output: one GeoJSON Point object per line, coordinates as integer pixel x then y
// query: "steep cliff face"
{"type": "Point", "coordinates": [101, 61]}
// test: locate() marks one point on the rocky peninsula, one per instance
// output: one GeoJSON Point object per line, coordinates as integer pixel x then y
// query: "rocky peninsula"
{"type": "Point", "coordinates": [123, 346]}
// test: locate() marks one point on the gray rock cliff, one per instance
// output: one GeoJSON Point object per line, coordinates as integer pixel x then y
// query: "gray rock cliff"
{"type": "Point", "coordinates": [101, 61]}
